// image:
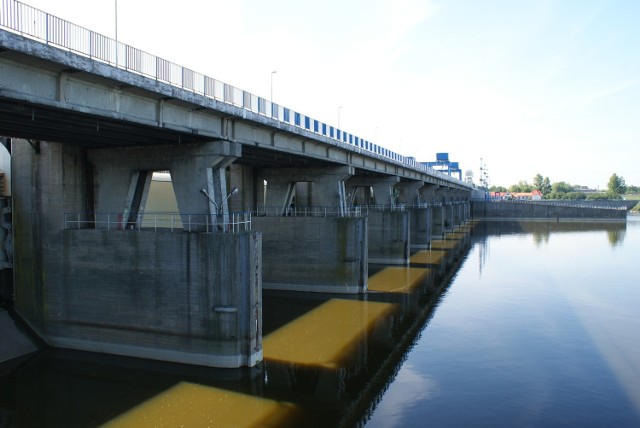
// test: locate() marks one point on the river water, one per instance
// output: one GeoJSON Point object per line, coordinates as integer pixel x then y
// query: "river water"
{"type": "Point", "coordinates": [499, 324]}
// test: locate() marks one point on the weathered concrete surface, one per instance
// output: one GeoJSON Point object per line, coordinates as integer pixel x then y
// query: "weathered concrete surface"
{"type": "Point", "coordinates": [14, 342]}
{"type": "Point", "coordinates": [174, 296]}
{"type": "Point", "coordinates": [177, 296]}
{"type": "Point", "coordinates": [438, 223]}
{"type": "Point", "coordinates": [389, 241]}
{"type": "Point", "coordinates": [420, 227]}
{"type": "Point", "coordinates": [321, 254]}
{"type": "Point", "coordinates": [543, 211]}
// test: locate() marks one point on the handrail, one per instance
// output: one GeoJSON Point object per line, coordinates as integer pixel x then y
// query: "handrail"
{"type": "Point", "coordinates": [304, 211]}
{"type": "Point", "coordinates": [36, 24]}
{"type": "Point", "coordinates": [226, 223]}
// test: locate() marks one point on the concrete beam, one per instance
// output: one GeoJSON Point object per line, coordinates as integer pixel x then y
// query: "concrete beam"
{"type": "Point", "coordinates": [123, 174]}
{"type": "Point", "coordinates": [327, 189]}
{"type": "Point", "coordinates": [383, 187]}
{"type": "Point", "coordinates": [427, 193]}
{"type": "Point", "coordinates": [409, 192]}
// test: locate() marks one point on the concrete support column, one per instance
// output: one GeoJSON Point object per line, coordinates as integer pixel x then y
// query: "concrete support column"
{"type": "Point", "coordinates": [438, 223]}
{"type": "Point", "coordinates": [457, 208]}
{"type": "Point", "coordinates": [327, 188]}
{"type": "Point", "coordinates": [419, 214]}
{"type": "Point", "coordinates": [186, 297]}
{"type": "Point", "coordinates": [409, 192]}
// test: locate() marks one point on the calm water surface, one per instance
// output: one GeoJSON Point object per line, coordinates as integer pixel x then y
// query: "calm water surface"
{"type": "Point", "coordinates": [515, 324]}
{"type": "Point", "coordinates": [540, 327]}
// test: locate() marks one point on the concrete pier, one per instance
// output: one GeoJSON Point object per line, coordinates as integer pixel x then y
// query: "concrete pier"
{"type": "Point", "coordinates": [190, 297]}
{"type": "Point", "coordinates": [318, 254]}
{"type": "Point", "coordinates": [389, 241]}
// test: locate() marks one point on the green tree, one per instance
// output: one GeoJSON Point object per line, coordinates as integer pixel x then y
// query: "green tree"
{"type": "Point", "coordinates": [546, 186]}
{"type": "Point", "coordinates": [561, 187]}
{"type": "Point", "coordinates": [521, 187]}
{"type": "Point", "coordinates": [497, 189]}
{"type": "Point", "coordinates": [616, 185]}
{"type": "Point", "coordinates": [537, 182]}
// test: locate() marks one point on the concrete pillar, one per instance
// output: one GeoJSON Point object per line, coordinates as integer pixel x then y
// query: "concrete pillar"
{"type": "Point", "coordinates": [438, 223]}
{"type": "Point", "coordinates": [316, 254]}
{"type": "Point", "coordinates": [327, 188]}
{"type": "Point", "coordinates": [186, 297]}
{"type": "Point", "coordinates": [419, 213]}
{"type": "Point", "coordinates": [389, 238]}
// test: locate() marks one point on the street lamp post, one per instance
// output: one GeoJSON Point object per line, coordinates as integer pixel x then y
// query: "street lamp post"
{"type": "Point", "coordinates": [339, 108]}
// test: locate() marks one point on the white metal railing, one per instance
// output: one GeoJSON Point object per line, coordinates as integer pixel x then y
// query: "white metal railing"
{"type": "Point", "coordinates": [33, 23]}
{"type": "Point", "coordinates": [329, 211]}
{"type": "Point", "coordinates": [226, 223]}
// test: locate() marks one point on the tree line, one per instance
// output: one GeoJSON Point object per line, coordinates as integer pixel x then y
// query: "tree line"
{"type": "Point", "coordinates": [616, 187]}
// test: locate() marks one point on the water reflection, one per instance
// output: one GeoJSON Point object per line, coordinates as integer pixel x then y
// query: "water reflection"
{"type": "Point", "coordinates": [541, 231]}
{"type": "Point", "coordinates": [546, 336]}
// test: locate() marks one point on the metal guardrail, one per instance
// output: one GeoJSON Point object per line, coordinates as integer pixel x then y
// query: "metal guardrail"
{"type": "Point", "coordinates": [276, 211]}
{"type": "Point", "coordinates": [550, 203]}
{"type": "Point", "coordinates": [333, 211]}
{"type": "Point", "coordinates": [226, 223]}
{"type": "Point", "coordinates": [33, 23]}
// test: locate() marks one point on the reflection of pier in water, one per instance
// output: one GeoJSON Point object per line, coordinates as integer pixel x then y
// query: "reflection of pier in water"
{"type": "Point", "coordinates": [363, 342]}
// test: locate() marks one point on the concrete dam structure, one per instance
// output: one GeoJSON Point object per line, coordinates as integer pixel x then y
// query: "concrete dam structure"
{"type": "Point", "coordinates": [262, 197]}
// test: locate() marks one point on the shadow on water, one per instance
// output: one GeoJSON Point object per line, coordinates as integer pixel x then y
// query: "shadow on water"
{"type": "Point", "coordinates": [79, 389]}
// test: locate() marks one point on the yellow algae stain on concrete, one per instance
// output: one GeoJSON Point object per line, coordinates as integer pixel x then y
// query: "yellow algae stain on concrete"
{"type": "Point", "coordinates": [428, 257]}
{"type": "Point", "coordinates": [191, 405]}
{"type": "Point", "coordinates": [326, 335]}
{"type": "Point", "coordinates": [444, 244]}
{"type": "Point", "coordinates": [456, 235]}
{"type": "Point", "coordinates": [396, 279]}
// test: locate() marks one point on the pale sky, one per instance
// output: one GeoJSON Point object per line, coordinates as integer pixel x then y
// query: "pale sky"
{"type": "Point", "coordinates": [529, 86]}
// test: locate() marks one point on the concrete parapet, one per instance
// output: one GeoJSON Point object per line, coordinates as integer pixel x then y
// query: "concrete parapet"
{"type": "Point", "coordinates": [174, 296]}
{"type": "Point", "coordinates": [321, 254]}
{"type": "Point", "coordinates": [389, 241]}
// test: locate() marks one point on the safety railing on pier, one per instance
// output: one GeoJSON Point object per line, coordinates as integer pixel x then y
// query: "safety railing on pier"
{"type": "Point", "coordinates": [329, 211]}
{"type": "Point", "coordinates": [36, 24]}
{"type": "Point", "coordinates": [226, 223]}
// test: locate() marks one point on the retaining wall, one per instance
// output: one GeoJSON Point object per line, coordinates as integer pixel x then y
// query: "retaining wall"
{"type": "Point", "coordinates": [526, 210]}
